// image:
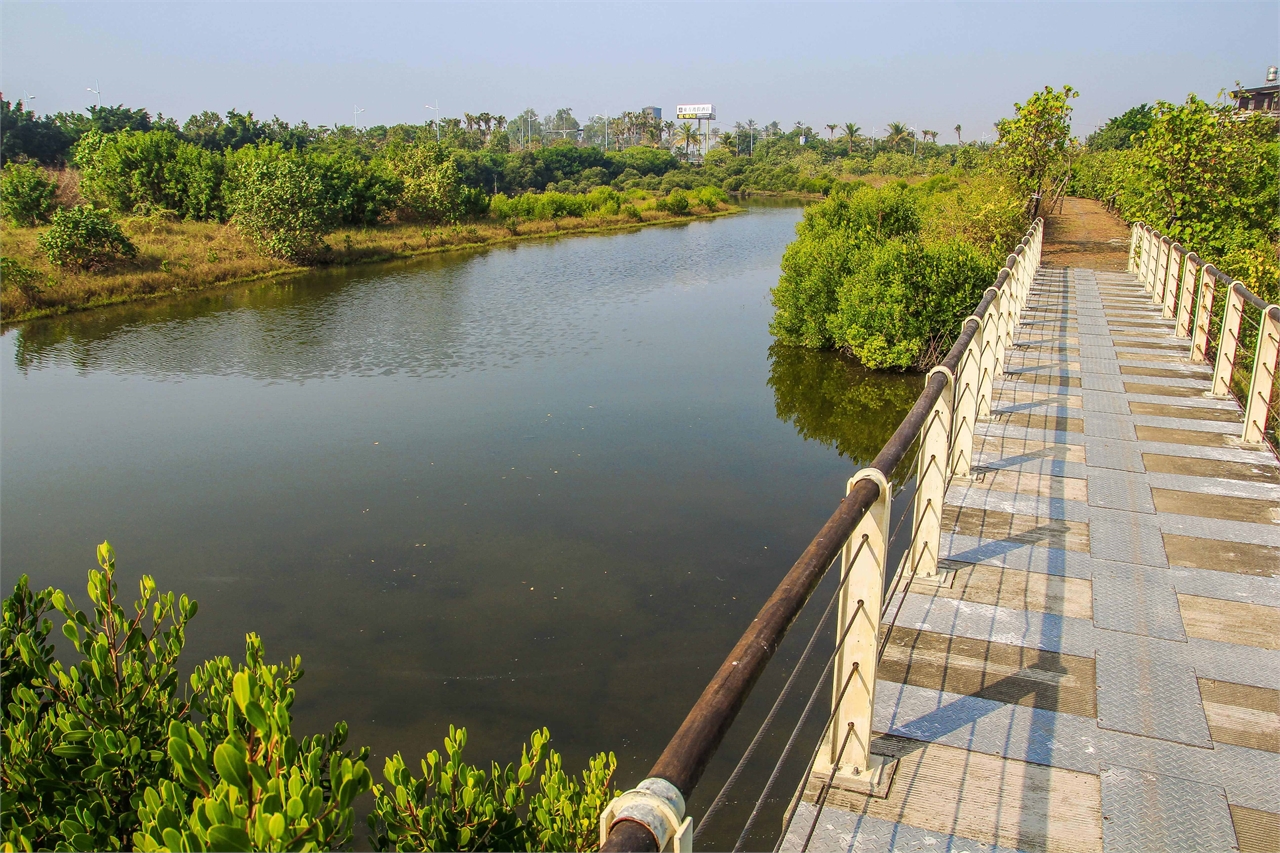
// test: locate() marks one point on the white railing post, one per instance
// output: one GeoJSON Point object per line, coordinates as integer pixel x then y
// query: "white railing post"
{"type": "Point", "coordinates": [864, 562]}
{"type": "Point", "coordinates": [968, 390]}
{"type": "Point", "coordinates": [932, 479]}
{"type": "Point", "coordinates": [1228, 341]}
{"type": "Point", "coordinates": [1204, 314]}
{"type": "Point", "coordinates": [1135, 233]}
{"type": "Point", "coordinates": [1187, 294]}
{"type": "Point", "coordinates": [1172, 276]}
{"type": "Point", "coordinates": [1257, 407]}
{"type": "Point", "coordinates": [990, 335]}
{"type": "Point", "coordinates": [1161, 270]}
{"type": "Point", "coordinates": [1148, 251]}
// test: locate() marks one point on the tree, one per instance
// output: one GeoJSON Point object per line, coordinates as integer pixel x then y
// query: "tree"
{"type": "Point", "coordinates": [688, 135]}
{"type": "Point", "coordinates": [433, 190]}
{"type": "Point", "coordinates": [1034, 141]}
{"type": "Point", "coordinates": [27, 137]}
{"type": "Point", "coordinates": [278, 202]}
{"type": "Point", "coordinates": [896, 134]}
{"type": "Point", "coordinates": [1119, 132]}
{"type": "Point", "coordinates": [1199, 174]}
{"type": "Point", "coordinates": [831, 131]}
{"type": "Point", "coordinates": [851, 132]}
{"type": "Point", "coordinates": [958, 139]}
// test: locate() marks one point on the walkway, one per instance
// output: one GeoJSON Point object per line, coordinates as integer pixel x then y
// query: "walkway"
{"type": "Point", "coordinates": [1102, 672]}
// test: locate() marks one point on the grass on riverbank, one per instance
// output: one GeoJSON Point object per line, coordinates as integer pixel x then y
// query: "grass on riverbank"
{"type": "Point", "coordinates": [188, 257]}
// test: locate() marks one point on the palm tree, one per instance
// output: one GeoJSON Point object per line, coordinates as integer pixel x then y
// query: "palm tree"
{"type": "Point", "coordinates": [851, 131]}
{"type": "Point", "coordinates": [896, 134]}
{"type": "Point", "coordinates": [751, 128]}
{"type": "Point", "coordinates": [831, 131]}
{"type": "Point", "coordinates": [688, 136]}
{"type": "Point", "coordinates": [929, 135]}
{"type": "Point", "coordinates": [958, 139]}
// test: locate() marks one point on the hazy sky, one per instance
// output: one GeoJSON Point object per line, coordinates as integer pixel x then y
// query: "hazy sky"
{"type": "Point", "coordinates": [932, 65]}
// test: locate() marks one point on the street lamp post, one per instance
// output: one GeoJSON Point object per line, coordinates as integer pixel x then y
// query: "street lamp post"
{"type": "Point", "coordinates": [437, 109]}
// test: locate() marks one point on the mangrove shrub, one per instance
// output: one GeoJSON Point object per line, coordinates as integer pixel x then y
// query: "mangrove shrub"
{"type": "Point", "coordinates": [106, 751]}
{"type": "Point", "coordinates": [887, 275]}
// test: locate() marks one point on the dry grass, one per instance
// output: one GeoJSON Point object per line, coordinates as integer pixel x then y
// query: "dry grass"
{"type": "Point", "coordinates": [187, 257]}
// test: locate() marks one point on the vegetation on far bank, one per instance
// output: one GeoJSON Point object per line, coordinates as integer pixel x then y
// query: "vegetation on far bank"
{"type": "Point", "coordinates": [104, 749]}
{"type": "Point", "coordinates": [177, 257]}
{"type": "Point", "coordinates": [295, 196]}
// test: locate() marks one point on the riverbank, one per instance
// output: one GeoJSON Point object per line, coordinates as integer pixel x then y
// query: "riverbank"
{"type": "Point", "coordinates": [178, 258]}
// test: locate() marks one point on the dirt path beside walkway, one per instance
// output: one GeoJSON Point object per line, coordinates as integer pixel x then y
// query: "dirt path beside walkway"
{"type": "Point", "coordinates": [1084, 234]}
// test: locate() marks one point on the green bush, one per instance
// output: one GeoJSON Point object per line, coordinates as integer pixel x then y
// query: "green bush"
{"type": "Point", "coordinates": [84, 238]}
{"type": "Point", "coordinates": [432, 185]}
{"type": "Point", "coordinates": [887, 274]}
{"type": "Point", "coordinates": [902, 305]}
{"type": "Point", "coordinates": [26, 194]}
{"type": "Point", "coordinates": [279, 202]}
{"type": "Point", "coordinates": [676, 201]}
{"type": "Point", "coordinates": [15, 274]}
{"type": "Point", "coordinates": [457, 806]}
{"type": "Point", "coordinates": [105, 754]}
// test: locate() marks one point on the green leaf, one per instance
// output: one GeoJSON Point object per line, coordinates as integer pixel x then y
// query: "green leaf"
{"type": "Point", "coordinates": [230, 764]}
{"type": "Point", "coordinates": [230, 838]}
{"type": "Point", "coordinates": [256, 716]}
{"type": "Point", "coordinates": [240, 689]}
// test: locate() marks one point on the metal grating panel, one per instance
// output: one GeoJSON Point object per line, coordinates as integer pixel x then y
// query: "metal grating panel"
{"type": "Point", "coordinates": [1101, 382]}
{"type": "Point", "coordinates": [1120, 490]}
{"type": "Point", "coordinates": [1105, 402]}
{"type": "Point", "coordinates": [1144, 811]}
{"type": "Point", "coordinates": [1136, 600]}
{"type": "Point", "coordinates": [1125, 537]}
{"type": "Point", "coordinates": [1109, 426]}
{"type": "Point", "coordinates": [1148, 687]}
{"type": "Point", "coordinates": [1118, 455]}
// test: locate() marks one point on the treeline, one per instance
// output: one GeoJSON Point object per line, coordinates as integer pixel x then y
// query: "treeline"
{"type": "Point", "coordinates": [1202, 173]}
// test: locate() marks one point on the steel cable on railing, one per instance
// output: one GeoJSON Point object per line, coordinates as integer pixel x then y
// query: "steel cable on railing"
{"type": "Point", "coordinates": [722, 797]}
{"type": "Point", "coordinates": [795, 733]}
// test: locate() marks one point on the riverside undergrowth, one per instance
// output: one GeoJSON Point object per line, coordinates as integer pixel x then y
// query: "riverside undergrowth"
{"type": "Point", "coordinates": [103, 750]}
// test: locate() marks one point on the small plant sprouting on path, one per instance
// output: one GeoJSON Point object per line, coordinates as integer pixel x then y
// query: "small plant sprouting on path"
{"type": "Point", "coordinates": [105, 752]}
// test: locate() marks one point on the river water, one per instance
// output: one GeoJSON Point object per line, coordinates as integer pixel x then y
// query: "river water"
{"type": "Point", "coordinates": [539, 485]}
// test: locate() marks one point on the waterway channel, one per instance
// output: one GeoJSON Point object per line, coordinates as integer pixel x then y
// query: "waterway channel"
{"type": "Point", "coordinates": [539, 485]}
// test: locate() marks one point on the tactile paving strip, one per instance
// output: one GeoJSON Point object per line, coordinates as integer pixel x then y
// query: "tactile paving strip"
{"type": "Point", "coordinates": [1144, 811]}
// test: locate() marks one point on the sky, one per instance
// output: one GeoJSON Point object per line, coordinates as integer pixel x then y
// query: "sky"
{"type": "Point", "coordinates": [930, 65]}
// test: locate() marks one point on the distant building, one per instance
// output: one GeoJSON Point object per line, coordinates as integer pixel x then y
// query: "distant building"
{"type": "Point", "coordinates": [1260, 99]}
{"type": "Point", "coordinates": [653, 112]}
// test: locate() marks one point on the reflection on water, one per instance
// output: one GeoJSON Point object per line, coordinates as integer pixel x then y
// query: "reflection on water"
{"type": "Point", "coordinates": [547, 484]}
{"type": "Point", "coordinates": [832, 399]}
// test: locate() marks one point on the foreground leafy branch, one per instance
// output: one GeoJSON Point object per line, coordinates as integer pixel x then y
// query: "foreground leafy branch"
{"type": "Point", "coordinates": [104, 754]}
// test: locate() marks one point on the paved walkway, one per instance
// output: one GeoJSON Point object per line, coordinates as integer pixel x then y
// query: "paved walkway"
{"type": "Point", "coordinates": [1102, 673]}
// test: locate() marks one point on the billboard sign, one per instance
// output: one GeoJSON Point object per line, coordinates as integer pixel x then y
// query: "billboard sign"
{"type": "Point", "coordinates": [696, 111]}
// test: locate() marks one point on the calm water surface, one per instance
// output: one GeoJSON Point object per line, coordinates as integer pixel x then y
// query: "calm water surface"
{"type": "Point", "coordinates": [547, 484]}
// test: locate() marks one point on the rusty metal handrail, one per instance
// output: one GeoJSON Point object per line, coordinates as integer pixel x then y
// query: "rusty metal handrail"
{"type": "Point", "coordinates": [976, 355]}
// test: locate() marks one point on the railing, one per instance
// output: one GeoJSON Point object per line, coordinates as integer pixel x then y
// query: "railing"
{"type": "Point", "coordinates": [1244, 349]}
{"type": "Point", "coordinates": [957, 394]}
